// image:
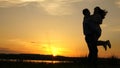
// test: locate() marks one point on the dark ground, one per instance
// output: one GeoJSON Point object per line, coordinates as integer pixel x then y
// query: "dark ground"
{"type": "Point", "coordinates": [53, 65]}
{"type": "Point", "coordinates": [77, 62]}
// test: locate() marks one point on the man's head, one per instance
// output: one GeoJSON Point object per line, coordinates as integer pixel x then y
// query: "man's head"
{"type": "Point", "coordinates": [86, 12]}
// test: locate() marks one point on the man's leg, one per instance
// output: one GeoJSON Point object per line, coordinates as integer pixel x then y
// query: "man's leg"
{"type": "Point", "coordinates": [93, 51]}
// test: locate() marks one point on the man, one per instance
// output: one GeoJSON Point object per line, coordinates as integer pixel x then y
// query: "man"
{"type": "Point", "coordinates": [88, 27]}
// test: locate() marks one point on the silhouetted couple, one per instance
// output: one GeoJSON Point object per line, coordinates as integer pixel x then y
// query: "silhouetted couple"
{"type": "Point", "coordinates": [92, 32]}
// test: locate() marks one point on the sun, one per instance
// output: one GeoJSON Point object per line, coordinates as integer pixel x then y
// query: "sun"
{"type": "Point", "coordinates": [51, 50]}
{"type": "Point", "coordinates": [55, 51]}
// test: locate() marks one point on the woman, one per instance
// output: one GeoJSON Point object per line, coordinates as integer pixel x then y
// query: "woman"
{"type": "Point", "coordinates": [97, 18]}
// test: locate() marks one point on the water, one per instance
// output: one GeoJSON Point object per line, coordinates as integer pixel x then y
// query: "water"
{"type": "Point", "coordinates": [36, 61]}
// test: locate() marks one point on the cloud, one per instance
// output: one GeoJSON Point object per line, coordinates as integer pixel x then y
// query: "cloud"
{"type": "Point", "coordinates": [118, 3]}
{"type": "Point", "coordinates": [116, 30]}
{"type": "Point", "coordinates": [53, 7]}
{"type": "Point", "coordinates": [18, 41]}
{"type": "Point", "coordinates": [6, 50]}
{"type": "Point", "coordinates": [10, 3]}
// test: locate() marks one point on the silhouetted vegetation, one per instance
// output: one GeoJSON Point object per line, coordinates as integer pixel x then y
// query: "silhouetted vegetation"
{"type": "Point", "coordinates": [21, 57]}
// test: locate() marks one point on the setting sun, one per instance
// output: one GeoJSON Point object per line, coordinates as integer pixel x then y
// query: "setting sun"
{"type": "Point", "coordinates": [51, 49]}
{"type": "Point", "coordinates": [55, 51]}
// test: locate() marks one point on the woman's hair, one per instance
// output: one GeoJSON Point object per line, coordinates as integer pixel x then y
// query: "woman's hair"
{"type": "Point", "coordinates": [101, 12]}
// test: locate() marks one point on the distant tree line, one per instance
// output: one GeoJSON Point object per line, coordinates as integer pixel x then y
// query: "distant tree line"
{"type": "Point", "coordinates": [21, 57]}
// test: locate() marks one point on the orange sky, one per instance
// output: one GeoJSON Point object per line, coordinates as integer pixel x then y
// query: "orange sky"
{"type": "Point", "coordinates": [54, 27]}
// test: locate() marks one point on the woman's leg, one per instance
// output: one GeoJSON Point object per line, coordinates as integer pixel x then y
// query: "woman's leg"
{"type": "Point", "coordinates": [102, 43]}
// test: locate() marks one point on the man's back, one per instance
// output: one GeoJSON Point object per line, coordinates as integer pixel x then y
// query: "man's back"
{"type": "Point", "coordinates": [86, 25]}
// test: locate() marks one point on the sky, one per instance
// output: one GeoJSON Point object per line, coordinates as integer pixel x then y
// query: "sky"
{"type": "Point", "coordinates": [54, 27]}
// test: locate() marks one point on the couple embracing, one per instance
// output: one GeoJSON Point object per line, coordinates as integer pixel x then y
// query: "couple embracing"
{"type": "Point", "coordinates": [92, 32]}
